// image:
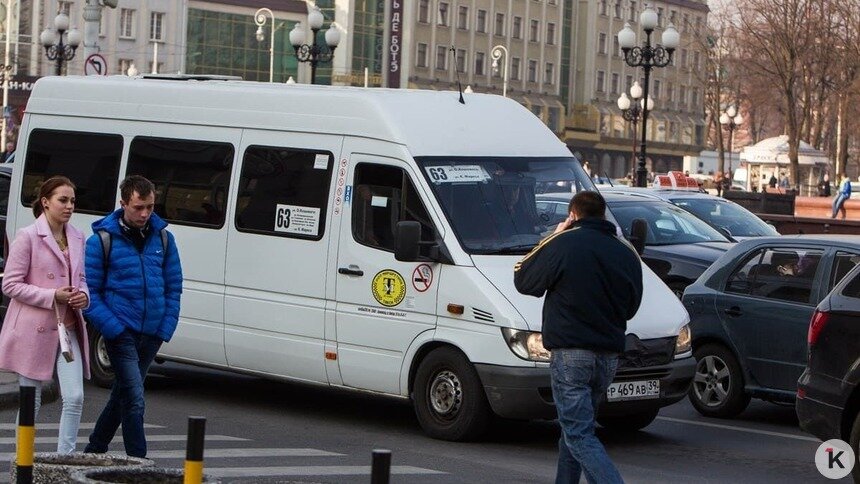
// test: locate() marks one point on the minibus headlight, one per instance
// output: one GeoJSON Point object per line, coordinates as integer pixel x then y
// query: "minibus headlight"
{"type": "Point", "coordinates": [528, 345]}
{"type": "Point", "coordinates": [684, 342]}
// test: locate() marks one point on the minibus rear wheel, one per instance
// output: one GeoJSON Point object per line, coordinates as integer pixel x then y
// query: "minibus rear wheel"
{"type": "Point", "coordinates": [100, 369]}
{"type": "Point", "coordinates": [449, 399]}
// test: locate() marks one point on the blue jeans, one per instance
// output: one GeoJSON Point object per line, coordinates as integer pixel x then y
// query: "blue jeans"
{"type": "Point", "coordinates": [130, 355]}
{"type": "Point", "coordinates": [837, 205]}
{"type": "Point", "coordinates": [579, 382]}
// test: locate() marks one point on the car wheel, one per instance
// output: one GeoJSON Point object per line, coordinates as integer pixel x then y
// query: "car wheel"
{"type": "Point", "coordinates": [100, 369]}
{"type": "Point", "coordinates": [628, 423]}
{"type": "Point", "coordinates": [448, 397]}
{"type": "Point", "coordinates": [718, 386]}
{"type": "Point", "coordinates": [855, 446]}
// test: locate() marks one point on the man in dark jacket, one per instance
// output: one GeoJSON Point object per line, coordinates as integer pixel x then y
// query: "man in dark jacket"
{"type": "Point", "coordinates": [136, 281]}
{"type": "Point", "coordinates": [593, 285]}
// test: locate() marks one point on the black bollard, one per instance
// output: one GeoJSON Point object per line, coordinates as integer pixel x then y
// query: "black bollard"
{"type": "Point", "coordinates": [26, 434]}
{"type": "Point", "coordinates": [194, 450]}
{"type": "Point", "coordinates": [380, 472]}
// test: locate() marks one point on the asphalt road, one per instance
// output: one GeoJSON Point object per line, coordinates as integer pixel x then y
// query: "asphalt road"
{"type": "Point", "coordinates": [273, 432]}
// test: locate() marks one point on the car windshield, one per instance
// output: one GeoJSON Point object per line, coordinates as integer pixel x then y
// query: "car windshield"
{"type": "Point", "coordinates": [490, 201]}
{"type": "Point", "coordinates": [667, 224]}
{"type": "Point", "coordinates": [739, 221]}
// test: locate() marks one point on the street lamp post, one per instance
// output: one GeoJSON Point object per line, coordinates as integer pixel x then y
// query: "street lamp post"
{"type": "Point", "coordinates": [314, 53]}
{"type": "Point", "coordinates": [731, 119]}
{"type": "Point", "coordinates": [260, 20]}
{"type": "Point", "coordinates": [632, 111]}
{"type": "Point", "coordinates": [52, 40]}
{"type": "Point", "coordinates": [497, 53]}
{"type": "Point", "coordinates": [647, 57]}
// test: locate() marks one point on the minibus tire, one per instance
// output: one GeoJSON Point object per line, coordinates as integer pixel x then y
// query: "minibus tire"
{"type": "Point", "coordinates": [100, 370]}
{"type": "Point", "coordinates": [460, 410]}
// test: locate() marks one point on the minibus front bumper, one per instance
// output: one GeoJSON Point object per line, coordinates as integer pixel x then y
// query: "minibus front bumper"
{"type": "Point", "coordinates": [526, 393]}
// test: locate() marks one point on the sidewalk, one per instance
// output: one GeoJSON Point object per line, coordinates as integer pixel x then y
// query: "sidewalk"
{"type": "Point", "coordinates": [9, 391]}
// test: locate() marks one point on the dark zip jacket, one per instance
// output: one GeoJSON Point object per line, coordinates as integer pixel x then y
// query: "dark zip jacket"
{"type": "Point", "coordinates": [593, 285]}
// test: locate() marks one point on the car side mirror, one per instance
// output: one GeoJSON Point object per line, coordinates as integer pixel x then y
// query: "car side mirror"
{"type": "Point", "coordinates": [638, 234]}
{"type": "Point", "coordinates": [406, 240]}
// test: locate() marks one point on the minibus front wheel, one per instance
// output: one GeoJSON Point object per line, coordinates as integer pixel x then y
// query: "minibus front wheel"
{"type": "Point", "coordinates": [449, 399]}
{"type": "Point", "coordinates": [100, 369]}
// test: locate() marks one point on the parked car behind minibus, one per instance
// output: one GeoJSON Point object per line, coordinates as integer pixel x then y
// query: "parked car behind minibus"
{"type": "Point", "coordinates": [349, 237]}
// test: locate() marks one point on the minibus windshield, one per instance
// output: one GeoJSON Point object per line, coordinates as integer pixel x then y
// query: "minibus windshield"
{"type": "Point", "coordinates": [504, 205]}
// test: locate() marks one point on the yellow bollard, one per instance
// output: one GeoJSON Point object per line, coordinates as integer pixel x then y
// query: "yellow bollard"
{"type": "Point", "coordinates": [194, 450]}
{"type": "Point", "coordinates": [26, 434]}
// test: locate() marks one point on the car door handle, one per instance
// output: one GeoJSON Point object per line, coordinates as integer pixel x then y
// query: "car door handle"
{"type": "Point", "coordinates": [733, 311]}
{"type": "Point", "coordinates": [350, 271]}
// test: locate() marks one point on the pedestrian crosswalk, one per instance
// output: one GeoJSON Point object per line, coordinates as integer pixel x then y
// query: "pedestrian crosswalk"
{"type": "Point", "coordinates": [228, 457]}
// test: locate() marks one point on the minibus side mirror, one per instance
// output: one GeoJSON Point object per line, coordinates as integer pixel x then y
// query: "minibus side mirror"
{"type": "Point", "coordinates": [406, 238]}
{"type": "Point", "coordinates": [638, 234]}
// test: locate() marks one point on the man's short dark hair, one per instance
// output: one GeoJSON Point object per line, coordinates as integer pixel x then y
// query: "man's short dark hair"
{"type": "Point", "coordinates": [135, 183]}
{"type": "Point", "coordinates": [588, 204]}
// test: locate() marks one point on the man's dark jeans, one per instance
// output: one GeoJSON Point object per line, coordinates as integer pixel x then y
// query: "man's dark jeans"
{"type": "Point", "coordinates": [579, 382]}
{"type": "Point", "coordinates": [130, 355]}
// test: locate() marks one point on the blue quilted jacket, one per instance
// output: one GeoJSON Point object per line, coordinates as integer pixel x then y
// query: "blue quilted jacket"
{"type": "Point", "coordinates": [142, 289]}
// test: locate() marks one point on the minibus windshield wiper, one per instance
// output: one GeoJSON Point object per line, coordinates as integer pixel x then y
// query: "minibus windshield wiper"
{"type": "Point", "coordinates": [510, 249]}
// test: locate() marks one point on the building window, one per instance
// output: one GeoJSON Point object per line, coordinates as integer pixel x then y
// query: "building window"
{"type": "Point", "coordinates": [684, 59]}
{"type": "Point", "coordinates": [279, 186]}
{"type": "Point", "coordinates": [550, 33]}
{"type": "Point", "coordinates": [631, 14]}
{"type": "Point", "coordinates": [443, 14]}
{"type": "Point", "coordinates": [604, 9]}
{"type": "Point", "coordinates": [515, 68]}
{"type": "Point", "coordinates": [482, 21]}
{"type": "Point", "coordinates": [479, 63]}
{"type": "Point", "coordinates": [533, 70]}
{"type": "Point", "coordinates": [421, 60]}
{"type": "Point", "coordinates": [126, 23]}
{"type": "Point", "coordinates": [696, 60]}
{"type": "Point", "coordinates": [534, 30]}
{"type": "Point", "coordinates": [673, 18]}
{"type": "Point", "coordinates": [441, 57]}
{"type": "Point", "coordinates": [549, 73]}
{"type": "Point", "coordinates": [192, 178]}
{"type": "Point", "coordinates": [463, 17]}
{"type": "Point", "coordinates": [424, 11]}
{"type": "Point", "coordinates": [461, 60]}
{"type": "Point", "coordinates": [617, 8]}
{"type": "Point", "coordinates": [616, 79]}
{"type": "Point", "coordinates": [660, 17]}
{"type": "Point", "coordinates": [616, 47]}
{"type": "Point", "coordinates": [500, 24]}
{"type": "Point", "coordinates": [156, 27]}
{"type": "Point", "coordinates": [657, 86]}
{"type": "Point", "coordinates": [683, 96]}
{"type": "Point", "coordinates": [123, 66]}
{"type": "Point", "coordinates": [518, 28]}
{"type": "Point", "coordinates": [601, 43]}
{"type": "Point", "coordinates": [686, 25]}
{"type": "Point", "coordinates": [64, 7]}
{"type": "Point", "coordinates": [694, 103]}
{"type": "Point", "coordinates": [670, 92]}
{"type": "Point", "coordinates": [102, 32]}
{"type": "Point", "coordinates": [628, 83]}
{"type": "Point", "coordinates": [601, 79]}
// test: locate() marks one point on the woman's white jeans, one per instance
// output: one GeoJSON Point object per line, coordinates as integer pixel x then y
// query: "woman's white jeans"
{"type": "Point", "coordinates": [71, 378]}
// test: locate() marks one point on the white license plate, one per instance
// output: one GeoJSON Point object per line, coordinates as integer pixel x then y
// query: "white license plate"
{"type": "Point", "coordinates": [633, 390]}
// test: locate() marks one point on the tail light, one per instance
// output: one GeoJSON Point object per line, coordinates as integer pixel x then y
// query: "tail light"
{"type": "Point", "coordinates": [819, 320]}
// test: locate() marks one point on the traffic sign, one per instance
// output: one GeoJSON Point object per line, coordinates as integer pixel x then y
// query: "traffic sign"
{"type": "Point", "coordinates": [95, 65]}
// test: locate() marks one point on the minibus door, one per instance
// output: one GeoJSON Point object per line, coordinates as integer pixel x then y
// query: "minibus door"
{"type": "Point", "coordinates": [382, 303]}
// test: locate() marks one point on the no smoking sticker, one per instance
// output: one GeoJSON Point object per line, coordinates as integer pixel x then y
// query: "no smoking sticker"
{"type": "Point", "coordinates": [388, 288]}
{"type": "Point", "coordinates": [422, 277]}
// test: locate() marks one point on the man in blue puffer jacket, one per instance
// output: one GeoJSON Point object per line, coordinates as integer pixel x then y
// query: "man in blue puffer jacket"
{"type": "Point", "coordinates": [135, 281]}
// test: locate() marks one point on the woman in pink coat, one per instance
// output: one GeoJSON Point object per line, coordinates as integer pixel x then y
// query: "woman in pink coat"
{"type": "Point", "coordinates": [44, 278]}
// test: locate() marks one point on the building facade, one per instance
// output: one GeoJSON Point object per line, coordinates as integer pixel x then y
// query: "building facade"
{"type": "Point", "coordinates": [598, 75]}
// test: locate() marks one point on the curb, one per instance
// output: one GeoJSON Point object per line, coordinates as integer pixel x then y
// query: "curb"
{"type": "Point", "coordinates": [9, 394]}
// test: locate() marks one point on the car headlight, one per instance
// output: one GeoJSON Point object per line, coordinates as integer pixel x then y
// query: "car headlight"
{"type": "Point", "coordinates": [528, 345]}
{"type": "Point", "coordinates": [684, 342]}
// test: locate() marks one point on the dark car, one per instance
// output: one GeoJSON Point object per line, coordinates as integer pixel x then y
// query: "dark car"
{"type": "Point", "coordinates": [718, 212]}
{"type": "Point", "coordinates": [750, 312]}
{"type": "Point", "coordinates": [678, 247]}
{"type": "Point", "coordinates": [828, 392]}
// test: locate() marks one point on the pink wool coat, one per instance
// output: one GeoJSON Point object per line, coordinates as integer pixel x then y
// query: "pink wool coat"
{"type": "Point", "coordinates": [35, 268]}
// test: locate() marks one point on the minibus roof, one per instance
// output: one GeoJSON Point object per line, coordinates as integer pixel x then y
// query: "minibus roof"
{"type": "Point", "coordinates": [428, 123]}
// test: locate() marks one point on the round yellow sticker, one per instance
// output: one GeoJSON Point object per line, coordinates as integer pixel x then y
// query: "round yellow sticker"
{"type": "Point", "coordinates": [388, 288]}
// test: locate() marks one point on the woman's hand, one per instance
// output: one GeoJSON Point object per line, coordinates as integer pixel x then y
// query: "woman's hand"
{"type": "Point", "coordinates": [63, 294]}
{"type": "Point", "coordinates": [78, 300]}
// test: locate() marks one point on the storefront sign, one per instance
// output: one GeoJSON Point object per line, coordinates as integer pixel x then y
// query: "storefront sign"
{"type": "Point", "coordinates": [395, 36]}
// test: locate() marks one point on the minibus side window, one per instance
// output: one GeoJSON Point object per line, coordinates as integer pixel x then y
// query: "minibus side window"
{"type": "Point", "coordinates": [382, 196]}
{"type": "Point", "coordinates": [191, 178]}
{"type": "Point", "coordinates": [284, 192]}
{"type": "Point", "coordinates": [90, 160]}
